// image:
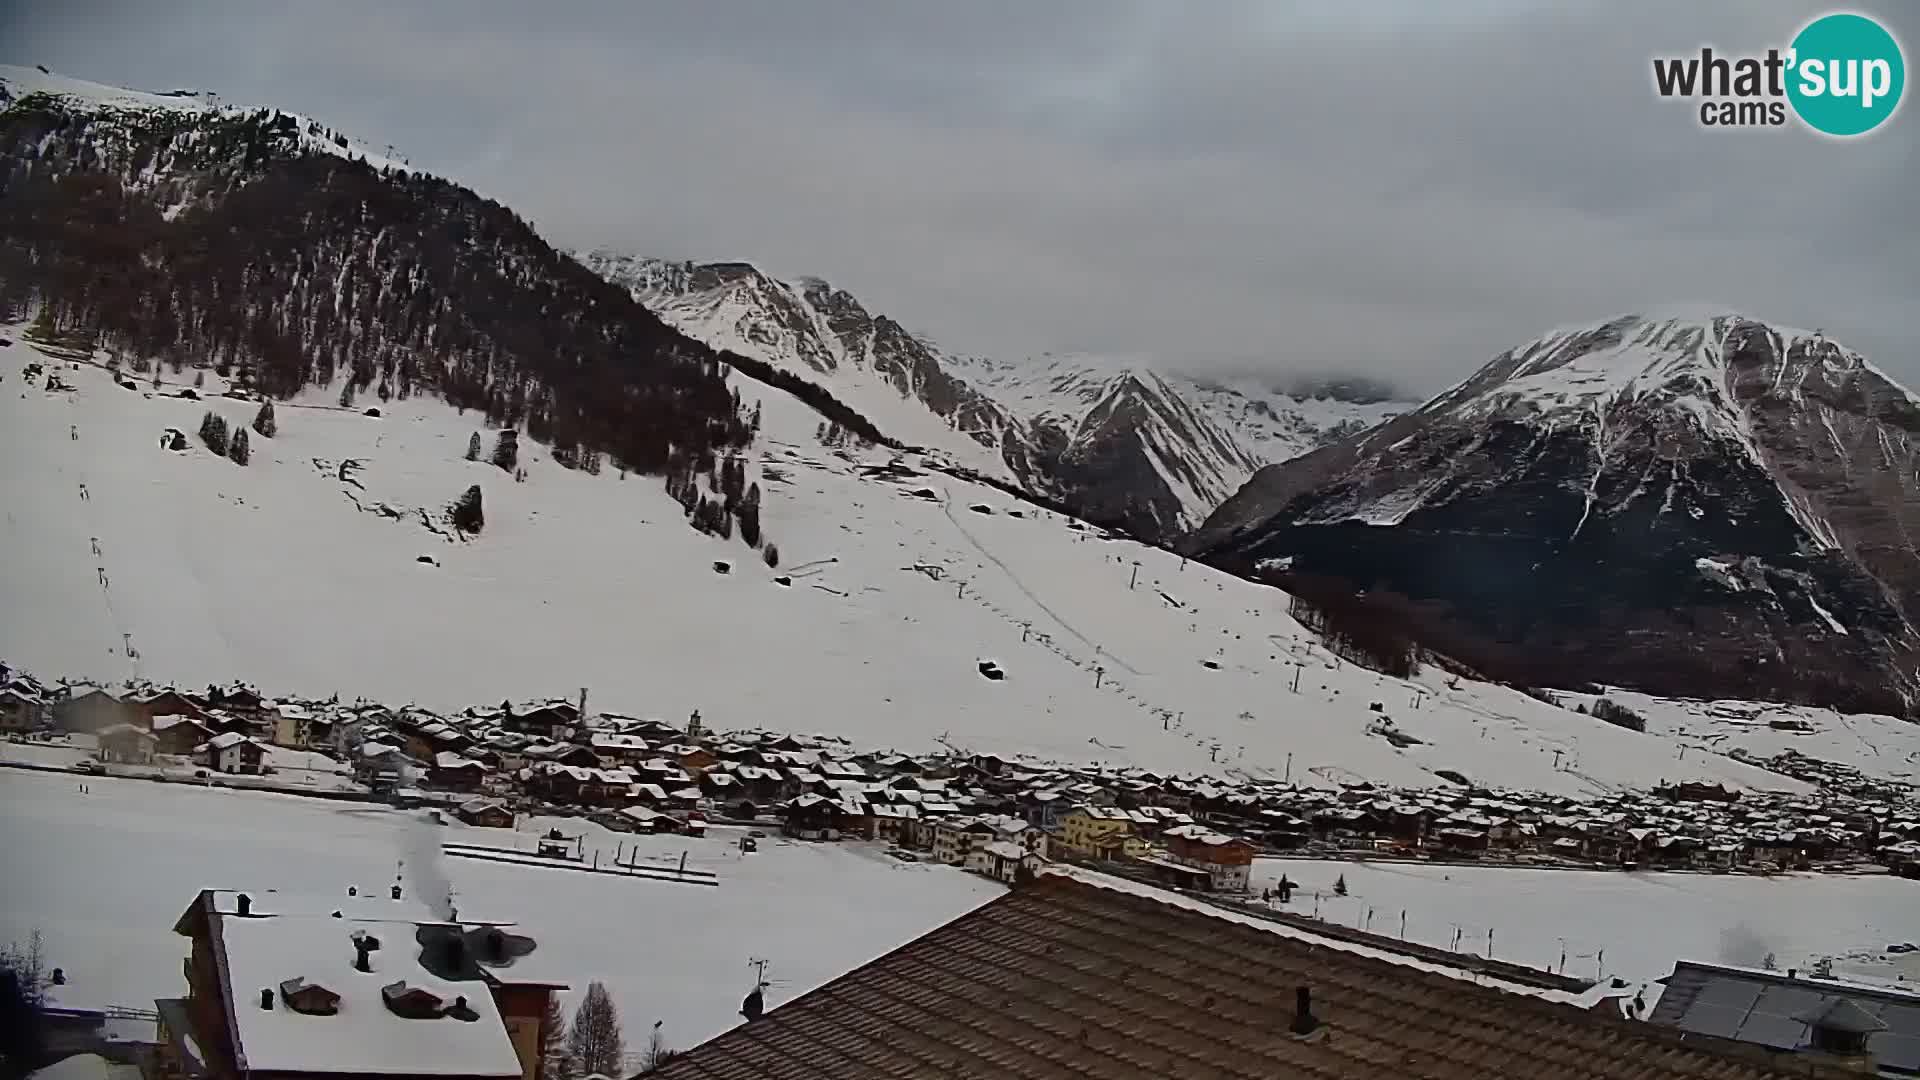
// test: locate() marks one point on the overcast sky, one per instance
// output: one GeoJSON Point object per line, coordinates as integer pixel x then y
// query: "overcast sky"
{"type": "Point", "coordinates": [1394, 187]}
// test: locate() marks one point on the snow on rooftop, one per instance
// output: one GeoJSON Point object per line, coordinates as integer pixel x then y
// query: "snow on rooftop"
{"type": "Point", "coordinates": [364, 1036]}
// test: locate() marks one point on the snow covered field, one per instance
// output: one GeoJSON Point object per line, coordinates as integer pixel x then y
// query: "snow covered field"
{"type": "Point", "coordinates": [281, 574]}
{"type": "Point", "coordinates": [103, 876]}
{"type": "Point", "coordinates": [1631, 926]}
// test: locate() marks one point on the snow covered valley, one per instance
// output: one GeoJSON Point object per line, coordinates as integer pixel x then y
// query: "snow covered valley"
{"type": "Point", "coordinates": [303, 574]}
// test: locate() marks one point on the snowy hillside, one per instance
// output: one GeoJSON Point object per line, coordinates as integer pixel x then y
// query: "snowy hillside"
{"type": "Point", "coordinates": [19, 82]}
{"type": "Point", "coordinates": [1119, 439]}
{"type": "Point", "coordinates": [1688, 501]}
{"type": "Point", "coordinates": [898, 581]}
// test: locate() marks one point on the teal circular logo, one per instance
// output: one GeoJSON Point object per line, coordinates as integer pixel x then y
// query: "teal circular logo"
{"type": "Point", "coordinates": [1847, 74]}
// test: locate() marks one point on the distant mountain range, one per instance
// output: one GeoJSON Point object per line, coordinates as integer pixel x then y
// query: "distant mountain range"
{"type": "Point", "coordinates": [1689, 502]}
{"type": "Point", "coordinates": [1122, 441]}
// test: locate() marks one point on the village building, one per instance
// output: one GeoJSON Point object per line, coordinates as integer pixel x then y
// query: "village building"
{"type": "Point", "coordinates": [1787, 1018]}
{"type": "Point", "coordinates": [1101, 832]}
{"type": "Point", "coordinates": [127, 744]}
{"type": "Point", "coordinates": [486, 813]}
{"type": "Point", "coordinates": [1052, 981]}
{"type": "Point", "coordinates": [231, 752]}
{"type": "Point", "coordinates": [20, 711]}
{"type": "Point", "coordinates": [1004, 861]}
{"type": "Point", "coordinates": [154, 704]}
{"type": "Point", "coordinates": [452, 772]}
{"type": "Point", "coordinates": [378, 765]}
{"type": "Point", "coordinates": [178, 734]}
{"type": "Point", "coordinates": [92, 711]}
{"type": "Point", "coordinates": [1227, 861]}
{"type": "Point", "coordinates": [286, 988]}
{"type": "Point", "coordinates": [297, 727]}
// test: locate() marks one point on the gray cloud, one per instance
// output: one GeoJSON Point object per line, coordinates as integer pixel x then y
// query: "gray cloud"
{"type": "Point", "coordinates": [1401, 190]}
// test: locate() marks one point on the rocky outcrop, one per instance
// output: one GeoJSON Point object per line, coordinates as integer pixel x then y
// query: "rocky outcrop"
{"type": "Point", "coordinates": [1691, 503]}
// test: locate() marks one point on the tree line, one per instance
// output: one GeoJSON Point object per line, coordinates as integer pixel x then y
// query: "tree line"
{"type": "Point", "coordinates": [285, 268]}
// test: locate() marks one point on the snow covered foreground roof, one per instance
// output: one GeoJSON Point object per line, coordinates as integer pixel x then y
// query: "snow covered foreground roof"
{"type": "Point", "coordinates": [363, 1035]}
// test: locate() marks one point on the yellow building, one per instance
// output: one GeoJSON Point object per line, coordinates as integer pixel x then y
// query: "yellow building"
{"type": "Point", "coordinates": [1102, 832]}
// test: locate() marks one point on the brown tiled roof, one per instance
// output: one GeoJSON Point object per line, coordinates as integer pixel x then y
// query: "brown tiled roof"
{"type": "Point", "coordinates": [1063, 978]}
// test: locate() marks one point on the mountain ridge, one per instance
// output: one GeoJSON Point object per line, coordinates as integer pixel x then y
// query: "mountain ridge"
{"type": "Point", "coordinates": [1119, 438]}
{"type": "Point", "coordinates": [1612, 473]}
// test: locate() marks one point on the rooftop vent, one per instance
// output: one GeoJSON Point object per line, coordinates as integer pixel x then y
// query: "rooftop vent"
{"type": "Point", "coordinates": [460, 1010]}
{"type": "Point", "coordinates": [1305, 1027]}
{"type": "Point", "coordinates": [244, 905]}
{"type": "Point", "coordinates": [309, 998]}
{"type": "Point", "coordinates": [266, 998]}
{"type": "Point", "coordinates": [411, 1002]}
{"type": "Point", "coordinates": [363, 945]}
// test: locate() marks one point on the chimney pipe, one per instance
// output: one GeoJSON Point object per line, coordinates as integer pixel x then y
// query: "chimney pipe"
{"type": "Point", "coordinates": [245, 903]}
{"type": "Point", "coordinates": [396, 890]}
{"type": "Point", "coordinates": [1305, 1025]}
{"type": "Point", "coordinates": [266, 998]}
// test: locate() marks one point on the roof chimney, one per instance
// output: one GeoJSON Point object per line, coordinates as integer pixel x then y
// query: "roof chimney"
{"type": "Point", "coordinates": [396, 890]}
{"type": "Point", "coordinates": [1305, 1027]}
{"type": "Point", "coordinates": [363, 946]}
{"type": "Point", "coordinates": [266, 998]}
{"type": "Point", "coordinates": [245, 903]}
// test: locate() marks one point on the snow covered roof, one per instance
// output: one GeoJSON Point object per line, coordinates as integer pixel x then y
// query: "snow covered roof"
{"type": "Point", "coordinates": [227, 739]}
{"type": "Point", "coordinates": [364, 1036]}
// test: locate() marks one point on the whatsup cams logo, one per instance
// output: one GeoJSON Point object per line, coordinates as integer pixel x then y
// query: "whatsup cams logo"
{"type": "Point", "coordinates": [1842, 75]}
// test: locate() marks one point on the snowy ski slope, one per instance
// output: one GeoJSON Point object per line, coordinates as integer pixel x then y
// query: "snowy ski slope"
{"type": "Point", "coordinates": [281, 574]}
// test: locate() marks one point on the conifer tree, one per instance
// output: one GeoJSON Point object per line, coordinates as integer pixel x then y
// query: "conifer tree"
{"type": "Point", "coordinates": [473, 447]}
{"type": "Point", "coordinates": [594, 1042]}
{"type": "Point", "coordinates": [466, 513]}
{"type": "Point", "coordinates": [264, 422]}
{"type": "Point", "coordinates": [238, 448]}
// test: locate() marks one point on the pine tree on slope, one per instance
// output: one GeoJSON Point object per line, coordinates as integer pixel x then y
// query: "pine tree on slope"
{"type": "Point", "coordinates": [238, 449]}
{"type": "Point", "coordinates": [473, 447]}
{"type": "Point", "coordinates": [594, 1041]}
{"type": "Point", "coordinates": [264, 422]}
{"type": "Point", "coordinates": [554, 1063]}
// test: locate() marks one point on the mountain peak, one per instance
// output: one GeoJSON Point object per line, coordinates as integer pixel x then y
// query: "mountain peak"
{"type": "Point", "coordinates": [1565, 494]}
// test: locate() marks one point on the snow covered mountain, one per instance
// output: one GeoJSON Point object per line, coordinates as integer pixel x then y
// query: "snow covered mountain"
{"type": "Point", "coordinates": [1119, 440]}
{"type": "Point", "coordinates": [1688, 501]}
{"type": "Point", "coordinates": [895, 580]}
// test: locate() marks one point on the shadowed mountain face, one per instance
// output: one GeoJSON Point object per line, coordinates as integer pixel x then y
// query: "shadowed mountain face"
{"type": "Point", "coordinates": [1698, 504]}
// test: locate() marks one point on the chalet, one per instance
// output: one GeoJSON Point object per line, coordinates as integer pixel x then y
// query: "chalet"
{"type": "Point", "coordinates": [453, 772]}
{"type": "Point", "coordinates": [816, 817]}
{"type": "Point", "coordinates": [239, 699]}
{"type": "Point", "coordinates": [1003, 861]}
{"type": "Point", "coordinates": [487, 813]}
{"type": "Point", "coordinates": [1226, 860]}
{"type": "Point", "coordinates": [19, 711]}
{"type": "Point", "coordinates": [892, 822]}
{"type": "Point", "coordinates": [550, 719]}
{"type": "Point", "coordinates": [127, 744]}
{"type": "Point", "coordinates": [954, 839]}
{"type": "Point", "coordinates": [232, 752]}
{"type": "Point", "coordinates": [157, 703]}
{"type": "Point", "coordinates": [298, 727]}
{"type": "Point", "coordinates": [278, 987]}
{"type": "Point", "coordinates": [556, 782]}
{"type": "Point", "coordinates": [379, 765]}
{"type": "Point", "coordinates": [645, 819]}
{"type": "Point", "coordinates": [617, 749]}
{"type": "Point", "coordinates": [691, 759]}
{"type": "Point", "coordinates": [563, 754]}
{"type": "Point", "coordinates": [178, 734]}
{"type": "Point", "coordinates": [94, 710]}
